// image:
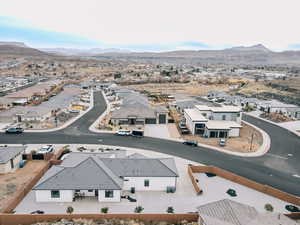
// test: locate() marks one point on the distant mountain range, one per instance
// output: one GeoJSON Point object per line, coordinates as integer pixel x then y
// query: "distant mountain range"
{"type": "Point", "coordinates": [254, 55]}
{"type": "Point", "coordinates": [74, 51]}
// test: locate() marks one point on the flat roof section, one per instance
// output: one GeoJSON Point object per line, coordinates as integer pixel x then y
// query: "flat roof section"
{"type": "Point", "coordinates": [195, 115]}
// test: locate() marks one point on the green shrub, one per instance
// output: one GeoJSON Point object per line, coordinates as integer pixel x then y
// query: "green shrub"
{"type": "Point", "coordinates": [138, 209]}
{"type": "Point", "coordinates": [170, 209]}
{"type": "Point", "coordinates": [231, 192]}
{"type": "Point", "coordinates": [70, 210]}
{"type": "Point", "coordinates": [104, 210]}
{"type": "Point", "coordinates": [292, 208]}
{"type": "Point", "coordinates": [269, 207]}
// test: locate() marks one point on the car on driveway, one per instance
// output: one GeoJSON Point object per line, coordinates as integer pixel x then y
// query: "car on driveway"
{"type": "Point", "coordinates": [14, 130]}
{"type": "Point", "coordinates": [46, 149]}
{"type": "Point", "coordinates": [222, 142]}
{"type": "Point", "coordinates": [123, 132]}
{"type": "Point", "coordinates": [190, 142]}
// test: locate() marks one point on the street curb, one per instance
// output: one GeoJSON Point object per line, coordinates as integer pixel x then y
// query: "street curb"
{"type": "Point", "coordinates": [69, 122]}
{"type": "Point", "coordinates": [276, 124]}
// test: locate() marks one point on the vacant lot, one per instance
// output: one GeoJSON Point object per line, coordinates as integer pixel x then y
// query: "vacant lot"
{"type": "Point", "coordinates": [10, 183]}
{"type": "Point", "coordinates": [192, 88]}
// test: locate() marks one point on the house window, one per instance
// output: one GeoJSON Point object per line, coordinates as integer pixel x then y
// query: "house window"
{"type": "Point", "coordinates": [238, 114]}
{"type": "Point", "coordinates": [55, 194]}
{"type": "Point", "coordinates": [90, 190]}
{"type": "Point", "coordinates": [204, 114]}
{"type": "Point", "coordinates": [146, 183]}
{"type": "Point", "coordinates": [77, 190]}
{"type": "Point", "coordinates": [109, 194]}
{"type": "Point", "coordinates": [223, 117]}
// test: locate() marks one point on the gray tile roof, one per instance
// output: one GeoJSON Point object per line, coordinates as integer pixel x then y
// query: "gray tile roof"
{"type": "Point", "coordinates": [229, 211]}
{"type": "Point", "coordinates": [86, 175]}
{"type": "Point", "coordinates": [89, 171]}
{"type": "Point", "coordinates": [143, 167]}
{"type": "Point", "coordinates": [74, 158]}
{"type": "Point", "coordinates": [9, 152]}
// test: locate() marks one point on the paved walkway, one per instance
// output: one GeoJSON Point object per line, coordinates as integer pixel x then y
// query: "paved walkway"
{"type": "Point", "coordinates": [157, 130]}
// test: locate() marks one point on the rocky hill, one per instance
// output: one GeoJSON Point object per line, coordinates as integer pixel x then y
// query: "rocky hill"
{"type": "Point", "coordinates": [18, 50]}
{"type": "Point", "coordinates": [253, 55]}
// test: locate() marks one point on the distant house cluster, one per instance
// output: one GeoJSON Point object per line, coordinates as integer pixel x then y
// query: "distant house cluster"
{"type": "Point", "coordinates": [270, 106]}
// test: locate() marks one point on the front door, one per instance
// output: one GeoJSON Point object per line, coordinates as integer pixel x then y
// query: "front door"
{"type": "Point", "coordinates": [162, 118]}
{"type": "Point", "coordinates": [96, 193]}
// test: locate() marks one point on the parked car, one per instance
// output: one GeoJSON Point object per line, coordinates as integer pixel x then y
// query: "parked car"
{"type": "Point", "coordinates": [14, 130]}
{"type": "Point", "coordinates": [191, 143]}
{"type": "Point", "coordinates": [222, 142]}
{"type": "Point", "coordinates": [47, 149]}
{"type": "Point", "coordinates": [137, 133]}
{"type": "Point", "coordinates": [37, 212]}
{"type": "Point", "coordinates": [123, 132]}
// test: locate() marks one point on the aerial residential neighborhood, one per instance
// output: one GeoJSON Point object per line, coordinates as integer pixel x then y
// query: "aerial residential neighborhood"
{"type": "Point", "coordinates": [149, 112]}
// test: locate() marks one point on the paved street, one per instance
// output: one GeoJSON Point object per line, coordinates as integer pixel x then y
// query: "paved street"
{"type": "Point", "coordinates": [276, 168]}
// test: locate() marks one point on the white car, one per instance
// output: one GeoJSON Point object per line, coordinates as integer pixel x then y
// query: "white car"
{"type": "Point", "coordinates": [47, 149]}
{"type": "Point", "coordinates": [123, 132]}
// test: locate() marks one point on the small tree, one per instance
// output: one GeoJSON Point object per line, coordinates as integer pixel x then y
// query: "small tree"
{"type": "Point", "coordinates": [170, 209]}
{"type": "Point", "coordinates": [70, 210]}
{"type": "Point", "coordinates": [269, 207]}
{"type": "Point", "coordinates": [104, 210]}
{"type": "Point", "coordinates": [138, 209]}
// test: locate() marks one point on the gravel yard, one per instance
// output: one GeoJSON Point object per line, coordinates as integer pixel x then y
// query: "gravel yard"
{"type": "Point", "coordinates": [12, 182]}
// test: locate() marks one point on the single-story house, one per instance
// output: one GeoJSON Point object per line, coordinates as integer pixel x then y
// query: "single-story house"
{"type": "Point", "coordinates": [10, 157]}
{"type": "Point", "coordinates": [136, 110]}
{"type": "Point", "coordinates": [106, 179]}
{"type": "Point", "coordinates": [228, 212]}
{"type": "Point", "coordinates": [214, 122]}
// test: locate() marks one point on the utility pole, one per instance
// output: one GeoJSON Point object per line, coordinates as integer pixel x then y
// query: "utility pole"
{"type": "Point", "coordinates": [252, 136]}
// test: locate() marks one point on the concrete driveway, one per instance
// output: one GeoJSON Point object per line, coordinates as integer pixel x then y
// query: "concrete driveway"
{"type": "Point", "coordinates": [157, 130]}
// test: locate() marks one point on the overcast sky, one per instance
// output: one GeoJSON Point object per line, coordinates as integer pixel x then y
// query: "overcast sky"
{"type": "Point", "coordinates": [152, 24]}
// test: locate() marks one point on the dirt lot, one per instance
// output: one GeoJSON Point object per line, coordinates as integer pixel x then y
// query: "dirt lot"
{"type": "Point", "coordinates": [237, 144]}
{"type": "Point", "coordinates": [10, 183]}
{"type": "Point", "coordinates": [192, 88]}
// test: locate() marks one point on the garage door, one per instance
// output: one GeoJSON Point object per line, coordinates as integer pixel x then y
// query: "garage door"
{"type": "Point", "coordinates": [162, 118]}
{"type": "Point", "coordinates": [150, 121]}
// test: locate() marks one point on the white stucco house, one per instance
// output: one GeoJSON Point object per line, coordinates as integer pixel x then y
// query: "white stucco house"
{"type": "Point", "coordinates": [10, 157]}
{"type": "Point", "coordinates": [106, 179]}
{"type": "Point", "coordinates": [214, 122]}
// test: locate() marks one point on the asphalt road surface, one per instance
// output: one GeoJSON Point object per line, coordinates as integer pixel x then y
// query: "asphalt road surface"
{"type": "Point", "coordinates": [279, 168]}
